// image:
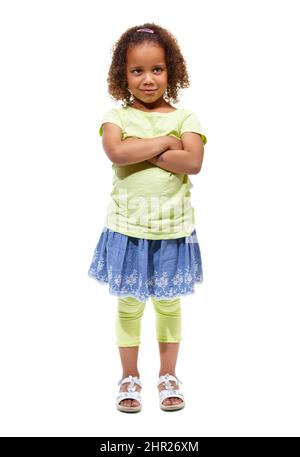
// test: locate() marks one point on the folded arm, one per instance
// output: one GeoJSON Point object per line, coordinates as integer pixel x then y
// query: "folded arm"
{"type": "Point", "coordinates": [187, 160]}
{"type": "Point", "coordinates": [175, 160]}
{"type": "Point", "coordinates": [167, 152]}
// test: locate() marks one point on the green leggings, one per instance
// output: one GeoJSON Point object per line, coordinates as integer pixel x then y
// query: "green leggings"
{"type": "Point", "coordinates": [129, 315]}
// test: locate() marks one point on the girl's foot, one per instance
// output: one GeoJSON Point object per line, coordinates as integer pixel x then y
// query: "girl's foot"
{"type": "Point", "coordinates": [129, 402]}
{"type": "Point", "coordinates": [170, 400]}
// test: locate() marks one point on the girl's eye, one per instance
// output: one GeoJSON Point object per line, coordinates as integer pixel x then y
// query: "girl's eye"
{"type": "Point", "coordinates": [154, 69]}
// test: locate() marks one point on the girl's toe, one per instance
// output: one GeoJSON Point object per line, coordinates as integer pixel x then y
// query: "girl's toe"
{"type": "Point", "coordinates": [129, 403]}
{"type": "Point", "coordinates": [175, 401]}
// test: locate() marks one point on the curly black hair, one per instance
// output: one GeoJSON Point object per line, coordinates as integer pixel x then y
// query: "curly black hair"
{"type": "Point", "coordinates": [176, 67]}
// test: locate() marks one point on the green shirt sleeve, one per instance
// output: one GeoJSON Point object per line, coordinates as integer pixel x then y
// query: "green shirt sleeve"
{"type": "Point", "coordinates": [111, 116]}
{"type": "Point", "coordinates": [191, 123]}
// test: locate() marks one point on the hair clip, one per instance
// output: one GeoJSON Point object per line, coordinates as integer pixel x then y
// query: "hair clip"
{"type": "Point", "coordinates": [145, 30]}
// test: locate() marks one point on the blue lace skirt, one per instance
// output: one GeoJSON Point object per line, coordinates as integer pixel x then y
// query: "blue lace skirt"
{"type": "Point", "coordinates": [140, 268]}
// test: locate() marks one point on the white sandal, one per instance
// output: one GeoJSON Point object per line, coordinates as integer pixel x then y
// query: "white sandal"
{"type": "Point", "coordinates": [131, 393]}
{"type": "Point", "coordinates": [169, 391]}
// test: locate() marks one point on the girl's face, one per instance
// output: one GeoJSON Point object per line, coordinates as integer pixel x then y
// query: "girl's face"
{"type": "Point", "coordinates": [146, 69]}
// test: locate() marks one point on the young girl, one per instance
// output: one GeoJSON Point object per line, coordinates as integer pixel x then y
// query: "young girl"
{"type": "Point", "coordinates": [148, 246]}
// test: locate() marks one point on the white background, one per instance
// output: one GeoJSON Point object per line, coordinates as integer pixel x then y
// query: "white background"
{"type": "Point", "coordinates": [239, 357]}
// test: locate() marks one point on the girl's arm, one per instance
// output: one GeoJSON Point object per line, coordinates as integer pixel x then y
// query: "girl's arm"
{"type": "Point", "coordinates": [183, 156]}
{"type": "Point", "coordinates": [178, 161]}
{"type": "Point", "coordinates": [135, 150]}
{"type": "Point", "coordinates": [164, 152]}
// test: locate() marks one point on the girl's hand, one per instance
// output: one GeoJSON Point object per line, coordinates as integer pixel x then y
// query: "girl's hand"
{"type": "Point", "coordinates": [175, 143]}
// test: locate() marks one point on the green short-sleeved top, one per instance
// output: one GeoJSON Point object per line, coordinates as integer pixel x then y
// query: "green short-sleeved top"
{"type": "Point", "coordinates": [148, 201]}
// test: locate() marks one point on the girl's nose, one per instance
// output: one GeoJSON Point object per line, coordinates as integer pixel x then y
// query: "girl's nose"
{"type": "Point", "coordinates": [148, 78]}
